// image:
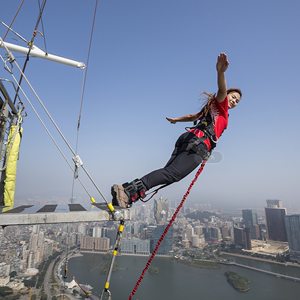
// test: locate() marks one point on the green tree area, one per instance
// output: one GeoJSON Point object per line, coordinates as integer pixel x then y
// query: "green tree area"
{"type": "Point", "coordinates": [38, 279]}
{"type": "Point", "coordinates": [153, 270]}
{"type": "Point", "coordinates": [105, 269]}
{"type": "Point", "coordinates": [196, 263]}
{"type": "Point", "coordinates": [238, 282]}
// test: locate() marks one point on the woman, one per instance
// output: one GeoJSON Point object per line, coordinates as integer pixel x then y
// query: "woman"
{"type": "Point", "coordinates": [192, 147]}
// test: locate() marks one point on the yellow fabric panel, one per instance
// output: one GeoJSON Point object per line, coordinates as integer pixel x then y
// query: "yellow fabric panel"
{"type": "Point", "coordinates": [11, 168]}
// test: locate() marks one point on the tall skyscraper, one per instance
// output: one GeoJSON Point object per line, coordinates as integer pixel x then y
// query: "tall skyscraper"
{"type": "Point", "coordinates": [250, 221]}
{"type": "Point", "coordinates": [161, 210]}
{"type": "Point", "coordinates": [189, 230]}
{"type": "Point", "coordinates": [293, 235]}
{"type": "Point", "coordinates": [275, 220]}
{"type": "Point", "coordinates": [242, 237]}
{"type": "Point", "coordinates": [97, 232]}
{"type": "Point", "coordinates": [225, 232]}
{"type": "Point", "coordinates": [135, 246]}
{"type": "Point", "coordinates": [166, 245]}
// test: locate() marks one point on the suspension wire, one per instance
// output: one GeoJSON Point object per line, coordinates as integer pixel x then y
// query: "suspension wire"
{"type": "Point", "coordinates": [83, 88]}
{"type": "Point", "coordinates": [13, 19]}
{"type": "Point", "coordinates": [166, 230]}
{"type": "Point", "coordinates": [30, 47]}
{"type": "Point", "coordinates": [47, 130]}
{"type": "Point", "coordinates": [17, 34]}
{"type": "Point", "coordinates": [87, 65]}
{"type": "Point", "coordinates": [43, 30]}
{"type": "Point", "coordinates": [55, 125]}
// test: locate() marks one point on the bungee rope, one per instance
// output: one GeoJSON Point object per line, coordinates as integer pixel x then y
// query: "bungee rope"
{"type": "Point", "coordinates": [30, 47]}
{"type": "Point", "coordinates": [166, 231]}
{"type": "Point", "coordinates": [13, 19]}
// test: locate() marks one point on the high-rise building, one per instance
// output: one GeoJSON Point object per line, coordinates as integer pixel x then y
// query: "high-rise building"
{"type": "Point", "coordinates": [33, 242]}
{"type": "Point", "coordinates": [225, 232]}
{"type": "Point", "coordinates": [250, 221]}
{"type": "Point", "coordinates": [195, 240]}
{"type": "Point", "coordinates": [215, 234]}
{"type": "Point", "coordinates": [293, 235]}
{"type": "Point", "coordinates": [189, 230]}
{"type": "Point", "coordinates": [161, 210]}
{"type": "Point", "coordinates": [135, 246]}
{"type": "Point", "coordinates": [40, 240]}
{"type": "Point", "coordinates": [198, 230]}
{"type": "Point", "coordinates": [275, 220]}
{"type": "Point", "coordinates": [87, 243]}
{"type": "Point", "coordinates": [248, 245]}
{"type": "Point", "coordinates": [166, 245]}
{"type": "Point", "coordinates": [101, 244]}
{"type": "Point", "coordinates": [82, 229]}
{"type": "Point", "coordinates": [35, 228]}
{"type": "Point", "coordinates": [111, 233]}
{"type": "Point", "coordinates": [242, 237]}
{"type": "Point", "coordinates": [97, 232]}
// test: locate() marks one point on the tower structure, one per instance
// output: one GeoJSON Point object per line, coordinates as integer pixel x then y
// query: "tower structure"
{"type": "Point", "coordinates": [275, 221]}
{"type": "Point", "coordinates": [161, 210]}
{"type": "Point", "coordinates": [250, 221]}
{"type": "Point", "coordinates": [293, 235]}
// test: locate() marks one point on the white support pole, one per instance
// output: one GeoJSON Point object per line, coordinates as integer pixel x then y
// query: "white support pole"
{"type": "Point", "coordinates": [37, 52]}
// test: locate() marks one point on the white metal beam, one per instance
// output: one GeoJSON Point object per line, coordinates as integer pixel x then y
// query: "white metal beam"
{"type": "Point", "coordinates": [37, 52]}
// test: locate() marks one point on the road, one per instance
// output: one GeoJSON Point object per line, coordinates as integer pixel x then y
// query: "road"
{"type": "Point", "coordinates": [47, 277]}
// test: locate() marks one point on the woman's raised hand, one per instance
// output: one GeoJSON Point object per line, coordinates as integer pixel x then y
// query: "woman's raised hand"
{"type": "Point", "coordinates": [222, 63]}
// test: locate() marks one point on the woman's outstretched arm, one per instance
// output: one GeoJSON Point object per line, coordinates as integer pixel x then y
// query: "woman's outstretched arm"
{"type": "Point", "coordinates": [186, 118]}
{"type": "Point", "coordinates": [222, 66]}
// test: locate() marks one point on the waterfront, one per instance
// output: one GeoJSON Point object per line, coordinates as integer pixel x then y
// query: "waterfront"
{"type": "Point", "coordinates": [176, 281]}
{"type": "Point", "coordinates": [279, 268]}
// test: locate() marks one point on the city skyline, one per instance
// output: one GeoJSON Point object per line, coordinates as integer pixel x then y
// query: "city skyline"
{"type": "Point", "coordinates": [196, 233]}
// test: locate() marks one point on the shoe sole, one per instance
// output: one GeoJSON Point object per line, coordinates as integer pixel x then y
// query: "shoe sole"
{"type": "Point", "coordinates": [115, 194]}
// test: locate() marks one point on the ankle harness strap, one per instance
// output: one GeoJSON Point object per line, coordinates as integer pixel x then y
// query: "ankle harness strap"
{"type": "Point", "coordinates": [135, 190]}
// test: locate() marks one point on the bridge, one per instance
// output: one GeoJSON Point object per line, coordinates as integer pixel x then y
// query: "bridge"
{"type": "Point", "coordinates": [268, 272]}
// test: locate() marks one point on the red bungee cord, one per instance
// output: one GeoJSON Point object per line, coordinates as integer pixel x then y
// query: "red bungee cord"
{"type": "Point", "coordinates": [166, 231]}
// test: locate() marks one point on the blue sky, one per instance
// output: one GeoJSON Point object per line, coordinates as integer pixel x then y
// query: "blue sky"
{"type": "Point", "coordinates": [152, 59]}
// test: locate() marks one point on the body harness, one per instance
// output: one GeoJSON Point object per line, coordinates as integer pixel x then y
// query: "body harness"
{"type": "Point", "coordinates": [207, 127]}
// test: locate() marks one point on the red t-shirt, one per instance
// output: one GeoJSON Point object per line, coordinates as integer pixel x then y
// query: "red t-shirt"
{"type": "Point", "coordinates": [219, 113]}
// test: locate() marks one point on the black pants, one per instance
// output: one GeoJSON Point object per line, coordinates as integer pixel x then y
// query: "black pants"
{"type": "Point", "coordinates": [181, 163]}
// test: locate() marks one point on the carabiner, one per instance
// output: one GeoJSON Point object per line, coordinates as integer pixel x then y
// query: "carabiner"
{"type": "Point", "coordinates": [108, 292]}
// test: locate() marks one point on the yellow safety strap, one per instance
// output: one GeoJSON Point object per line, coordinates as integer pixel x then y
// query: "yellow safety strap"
{"type": "Point", "coordinates": [11, 167]}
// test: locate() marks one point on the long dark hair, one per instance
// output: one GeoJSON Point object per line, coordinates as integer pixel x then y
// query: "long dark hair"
{"type": "Point", "coordinates": [210, 97]}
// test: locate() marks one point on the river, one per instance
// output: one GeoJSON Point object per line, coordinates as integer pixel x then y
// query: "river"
{"type": "Point", "coordinates": [177, 281]}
